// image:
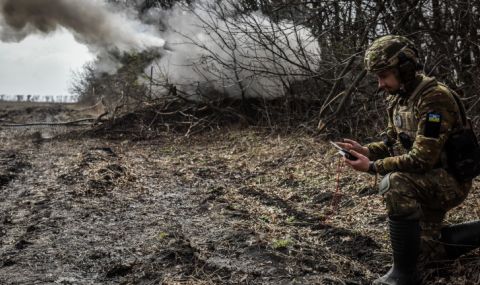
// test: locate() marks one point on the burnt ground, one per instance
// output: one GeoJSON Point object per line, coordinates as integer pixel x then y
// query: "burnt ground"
{"type": "Point", "coordinates": [233, 206]}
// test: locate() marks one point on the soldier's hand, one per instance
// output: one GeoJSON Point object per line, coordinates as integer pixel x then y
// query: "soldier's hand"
{"type": "Point", "coordinates": [361, 164]}
{"type": "Point", "coordinates": [349, 144]}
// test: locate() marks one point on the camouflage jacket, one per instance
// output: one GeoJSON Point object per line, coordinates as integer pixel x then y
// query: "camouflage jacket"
{"type": "Point", "coordinates": [422, 120]}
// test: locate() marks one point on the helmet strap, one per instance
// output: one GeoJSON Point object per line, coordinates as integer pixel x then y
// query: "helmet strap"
{"type": "Point", "coordinates": [407, 71]}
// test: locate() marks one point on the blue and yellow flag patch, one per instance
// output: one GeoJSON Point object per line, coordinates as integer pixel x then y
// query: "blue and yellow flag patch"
{"type": "Point", "coordinates": [434, 118]}
{"type": "Point", "coordinates": [432, 125]}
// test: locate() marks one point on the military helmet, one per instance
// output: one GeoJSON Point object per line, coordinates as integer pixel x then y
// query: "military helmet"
{"type": "Point", "coordinates": [389, 51]}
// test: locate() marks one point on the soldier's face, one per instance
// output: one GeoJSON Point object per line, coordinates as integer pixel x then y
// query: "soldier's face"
{"type": "Point", "coordinates": [388, 81]}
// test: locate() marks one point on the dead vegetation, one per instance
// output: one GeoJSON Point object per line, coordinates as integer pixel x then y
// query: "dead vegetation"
{"type": "Point", "coordinates": [238, 205]}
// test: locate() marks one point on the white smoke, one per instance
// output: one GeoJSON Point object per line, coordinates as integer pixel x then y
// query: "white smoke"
{"type": "Point", "coordinates": [205, 46]}
{"type": "Point", "coordinates": [92, 22]}
{"type": "Point", "coordinates": [212, 47]}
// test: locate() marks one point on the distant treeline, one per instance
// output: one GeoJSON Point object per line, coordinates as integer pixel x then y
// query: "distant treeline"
{"type": "Point", "coordinates": [39, 98]}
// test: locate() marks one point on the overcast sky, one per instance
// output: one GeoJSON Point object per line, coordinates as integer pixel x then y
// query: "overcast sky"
{"type": "Point", "coordinates": [41, 65]}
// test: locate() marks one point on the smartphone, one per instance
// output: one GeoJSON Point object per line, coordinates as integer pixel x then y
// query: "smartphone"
{"type": "Point", "coordinates": [344, 152]}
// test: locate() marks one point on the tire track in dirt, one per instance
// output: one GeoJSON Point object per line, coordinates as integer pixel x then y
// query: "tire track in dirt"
{"type": "Point", "coordinates": [81, 216]}
{"type": "Point", "coordinates": [53, 227]}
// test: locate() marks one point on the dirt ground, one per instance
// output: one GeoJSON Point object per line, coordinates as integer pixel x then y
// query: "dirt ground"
{"type": "Point", "coordinates": [233, 206]}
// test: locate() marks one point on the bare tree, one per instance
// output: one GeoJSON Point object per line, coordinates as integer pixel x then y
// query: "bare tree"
{"type": "Point", "coordinates": [302, 59]}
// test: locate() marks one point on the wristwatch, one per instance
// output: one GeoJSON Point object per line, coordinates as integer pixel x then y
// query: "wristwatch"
{"type": "Point", "coordinates": [372, 169]}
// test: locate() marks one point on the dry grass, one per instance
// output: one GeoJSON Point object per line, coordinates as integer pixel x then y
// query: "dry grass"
{"type": "Point", "coordinates": [238, 206]}
{"type": "Point", "coordinates": [282, 189]}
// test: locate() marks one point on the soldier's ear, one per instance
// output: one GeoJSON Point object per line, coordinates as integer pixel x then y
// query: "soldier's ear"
{"type": "Point", "coordinates": [406, 68]}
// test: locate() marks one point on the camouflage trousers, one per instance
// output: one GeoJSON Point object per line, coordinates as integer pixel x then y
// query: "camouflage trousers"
{"type": "Point", "coordinates": [427, 197]}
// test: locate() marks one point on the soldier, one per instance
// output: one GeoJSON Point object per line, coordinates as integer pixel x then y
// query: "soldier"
{"type": "Point", "coordinates": [418, 186]}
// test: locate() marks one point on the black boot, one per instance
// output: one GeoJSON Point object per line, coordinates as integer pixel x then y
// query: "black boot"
{"type": "Point", "coordinates": [405, 238]}
{"type": "Point", "coordinates": [461, 238]}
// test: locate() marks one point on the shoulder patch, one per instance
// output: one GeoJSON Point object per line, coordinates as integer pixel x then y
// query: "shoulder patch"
{"type": "Point", "coordinates": [432, 125]}
{"type": "Point", "coordinates": [434, 118]}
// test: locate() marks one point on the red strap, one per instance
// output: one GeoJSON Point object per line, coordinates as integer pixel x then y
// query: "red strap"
{"type": "Point", "coordinates": [337, 195]}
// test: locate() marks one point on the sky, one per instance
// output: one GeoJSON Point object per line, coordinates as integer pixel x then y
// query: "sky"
{"type": "Point", "coordinates": [41, 65]}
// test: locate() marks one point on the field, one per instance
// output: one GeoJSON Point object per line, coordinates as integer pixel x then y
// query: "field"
{"type": "Point", "coordinates": [238, 205]}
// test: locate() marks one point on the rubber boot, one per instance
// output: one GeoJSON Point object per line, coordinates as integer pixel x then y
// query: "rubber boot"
{"type": "Point", "coordinates": [405, 239]}
{"type": "Point", "coordinates": [461, 238]}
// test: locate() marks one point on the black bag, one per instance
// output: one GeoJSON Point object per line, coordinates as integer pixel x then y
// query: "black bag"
{"type": "Point", "coordinates": [462, 149]}
{"type": "Point", "coordinates": [463, 154]}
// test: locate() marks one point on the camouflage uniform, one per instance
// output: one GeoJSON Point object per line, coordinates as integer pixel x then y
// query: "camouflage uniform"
{"type": "Point", "coordinates": [417, 187]}
{"type": "Point", "coordinates": [416, 181]}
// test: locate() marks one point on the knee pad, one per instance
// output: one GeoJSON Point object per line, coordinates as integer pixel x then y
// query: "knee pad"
{"type": "Point", "coordinates": [398, 197]}
{"type": "Point", "coordinates": [384, 185]}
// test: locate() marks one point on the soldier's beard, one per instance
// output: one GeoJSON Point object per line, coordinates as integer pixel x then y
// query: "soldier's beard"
{"type": "Point", "coordinates": [391, 90]}
{"type": "Point", "coordinates": [389, 81]}
{"type": "Point", "coordinates": [397, 88]}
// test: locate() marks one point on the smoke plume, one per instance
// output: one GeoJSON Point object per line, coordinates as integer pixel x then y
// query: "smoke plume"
{"type": "Point", "coordinates": [212, 48]}
{"type": "Point", "coordinates": [91, 21]}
